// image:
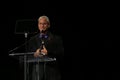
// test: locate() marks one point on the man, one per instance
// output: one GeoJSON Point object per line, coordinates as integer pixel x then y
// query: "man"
{"type": "Point", "coordinates": [46, 44]}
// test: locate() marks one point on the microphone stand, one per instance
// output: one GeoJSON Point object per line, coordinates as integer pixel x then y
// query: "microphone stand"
{"type": "Point", "coordinates": [25, 57]}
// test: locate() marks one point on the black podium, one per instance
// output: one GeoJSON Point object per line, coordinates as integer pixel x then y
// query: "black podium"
{"type": "Point", "coordinates": [27, 58]}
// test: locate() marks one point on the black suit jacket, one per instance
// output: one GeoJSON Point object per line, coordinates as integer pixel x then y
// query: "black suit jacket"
{"type": "Point", "coordinates": [53, 44]}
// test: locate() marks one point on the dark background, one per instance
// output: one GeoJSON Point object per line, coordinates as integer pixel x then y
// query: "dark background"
{"type": "Point", "coordinates": [87, 33]}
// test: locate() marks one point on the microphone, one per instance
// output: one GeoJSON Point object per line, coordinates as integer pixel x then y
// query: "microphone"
{"type": "Point", "coordinates": [41, 47]}
{"type": "Point", "coordinates": [42, 44]}
{"type": "Point", "coordinates": [42, 36]}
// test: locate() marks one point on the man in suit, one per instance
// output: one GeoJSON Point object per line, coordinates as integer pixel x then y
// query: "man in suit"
{"type": "Point", "coordinates": [46, 44]}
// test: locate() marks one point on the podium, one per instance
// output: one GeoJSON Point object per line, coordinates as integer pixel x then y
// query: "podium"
{"type": "Point", "coordinates": [28, 59]}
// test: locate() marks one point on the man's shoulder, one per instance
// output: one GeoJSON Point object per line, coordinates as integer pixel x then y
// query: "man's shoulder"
{"type": "Point", "coordinates": [56, 36]}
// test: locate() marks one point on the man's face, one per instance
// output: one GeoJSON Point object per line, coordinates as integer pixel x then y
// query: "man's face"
{"type": "Point", "coordinates": [43, 24]}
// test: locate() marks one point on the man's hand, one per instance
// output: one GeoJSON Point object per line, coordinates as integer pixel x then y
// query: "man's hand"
{"type": "Point", "coordinates": [44, 51]}
{"type": "Point", "coordinates": [39, 52]}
